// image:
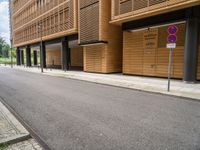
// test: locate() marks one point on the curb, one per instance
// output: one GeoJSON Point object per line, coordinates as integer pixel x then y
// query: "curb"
{"type": "Point", "coordinates": [32, 133]}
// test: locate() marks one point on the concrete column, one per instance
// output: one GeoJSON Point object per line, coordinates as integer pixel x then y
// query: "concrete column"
{"type": "Point", "coordinates": [22, 57]}
{"type": "Point", "coordinates": [43, 54]}
{"type": "Point", "coordinates": [191, 48]}
{"type": "Point", "coordinates": [64, 52]}
{"type": "Point", "coordinates": [28, 56]}
{"type": "Point", "coordinates": [18, 57]}
{"type": "Point", "coordinates": [35, 58]}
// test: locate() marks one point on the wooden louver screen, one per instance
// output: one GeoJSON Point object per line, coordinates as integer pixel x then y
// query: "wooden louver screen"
{"type": "Point", "coordinates": [58, 20]}
{"type": "Point", "coordinates": [126, 6]}
{"type": "Point", "coordinates": [86, 3]}
{"type": "Point", "coordinates": [154, 2]}
{"type": "Point", "coordinates": [89, 21]}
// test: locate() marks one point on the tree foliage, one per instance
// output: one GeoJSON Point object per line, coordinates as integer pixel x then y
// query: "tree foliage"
{"type": "Point", "coordinates": [4, 48]}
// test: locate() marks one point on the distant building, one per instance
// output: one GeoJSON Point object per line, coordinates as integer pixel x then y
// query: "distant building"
{"type": "Point", "coordinates": [108, 36]}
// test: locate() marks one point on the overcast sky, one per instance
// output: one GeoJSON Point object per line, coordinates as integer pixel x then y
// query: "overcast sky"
{"type": "Point", "coordinates": [4, 20]}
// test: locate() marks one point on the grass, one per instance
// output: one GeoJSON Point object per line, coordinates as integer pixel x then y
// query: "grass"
{"type": "Point", "coordinates": [7, 61]}
{"type": "Point", "coordinates": [3, 147]}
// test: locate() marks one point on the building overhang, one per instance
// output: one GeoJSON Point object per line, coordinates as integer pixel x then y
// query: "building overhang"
{"type": "Point", "coordinates": [90, 43]}
{"type": "Point", "coordinates": [131, 16]}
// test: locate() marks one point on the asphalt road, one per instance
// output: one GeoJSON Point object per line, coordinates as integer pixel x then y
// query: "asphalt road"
{"type": "Point", "coordinates": [76, 115]}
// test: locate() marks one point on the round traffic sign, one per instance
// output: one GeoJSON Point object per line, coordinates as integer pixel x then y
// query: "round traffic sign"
{"type": "Point", "coordinates": [172, 38]}
{"type": "Point", "coordinates": [172, 29]}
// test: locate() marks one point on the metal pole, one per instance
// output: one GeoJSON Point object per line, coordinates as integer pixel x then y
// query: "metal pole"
{"type": "Point", "coordinates": [41, 49]}
{"type": "Point", "coordinates": [11, 58]}
{"type": "Point", "coordinates": [41, 55]}
{"type": "Point", "coordinates": [169, 69]}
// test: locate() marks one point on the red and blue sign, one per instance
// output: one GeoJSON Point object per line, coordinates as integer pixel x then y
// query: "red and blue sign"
{"type": "Point", "coordinates": [172, 38]}
{"type": "Point", "coordinates": [172, 31]}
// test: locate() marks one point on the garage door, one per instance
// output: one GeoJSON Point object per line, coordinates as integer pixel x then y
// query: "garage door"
{"type": "Point", "coordinates": [94, 58]}
{"type": "Point", "coordinates": [145, 53]}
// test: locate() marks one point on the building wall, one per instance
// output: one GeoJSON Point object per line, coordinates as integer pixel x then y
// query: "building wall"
{"type": "Point", "coordinates": [145, 53]}
{"type": "Point", "coordinates": [106, 57]}
{"type": "Point", "coordinates": [77, 57]}
{"type": "Point", "coordinates": [94, 58]}
{"type": "Point", "coordinates": [56, 18]}
{"type": "Point", "coordinates": [89, 20]}
{"type": "Point", "coordinates": [198, 70]}
{"type": "Point", "coordinates": [53, 58]}
{"type": "Point", "coordinates": [129, 10]}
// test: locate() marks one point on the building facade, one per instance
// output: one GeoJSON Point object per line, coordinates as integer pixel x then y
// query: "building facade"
{"type": "Point", "coordinates": [108, 36]}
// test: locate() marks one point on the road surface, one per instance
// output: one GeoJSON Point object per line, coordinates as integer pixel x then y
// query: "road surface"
{"type": "Point", "coordinates": [77, 115]}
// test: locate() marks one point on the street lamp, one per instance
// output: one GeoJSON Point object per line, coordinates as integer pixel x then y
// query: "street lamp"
{"type": "Point", "coordinates": [41, 47]}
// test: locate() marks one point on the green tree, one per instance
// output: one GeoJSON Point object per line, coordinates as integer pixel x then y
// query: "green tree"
{"type": "Point", "coordinates": [2, 43]}
{"type": "Point", "coordinates": [4, 48]}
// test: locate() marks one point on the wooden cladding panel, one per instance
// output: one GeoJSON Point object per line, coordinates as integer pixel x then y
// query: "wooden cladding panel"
{"type": "Point", "coordinates": [89, 23]}
{"type": "Point", "coordinates": [130, 8]}
{"type": "Point", "coordinates": [162, 61]}
{"type": "Point", "coordinates": [53, 57]}
{"type": "Point", "coordinates": [133, 53]}
{"type": "Point", "coordinates": [55, 23]}
{"type": "Point", "coordinates": [150, 40]}
{"type": "Point", "coordinates": [180, 36]}
{"type": "Point", "coordinates": [125, 6]}
{"type": "Point", "coordinates": [139, 4]}
{"type": "Point", "coordinates": [85, 3]}
{"type": "Point", "coordinates": [77, 57]}
{"type": "Point", "coordinates": [146, 54]}
{"type": "Point", "coordinates": [105, 58]}
{"type": "Point", "coordinates": [94, 58]}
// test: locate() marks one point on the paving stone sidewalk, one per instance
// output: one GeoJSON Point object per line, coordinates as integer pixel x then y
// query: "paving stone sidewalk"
{"type": "Point", "coordinates": [13, 134]}
{"type": "Point", "coordinates": [150, 84]}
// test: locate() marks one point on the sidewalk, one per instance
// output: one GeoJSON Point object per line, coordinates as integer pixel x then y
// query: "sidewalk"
{"type": "Point", "coordinates": [157, 85]}
{"type": "Point", "coordinates": [13, 136]}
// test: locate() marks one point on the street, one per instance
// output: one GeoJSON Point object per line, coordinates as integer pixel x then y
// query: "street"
{"type": "Point", "coordinates": [76, 115]}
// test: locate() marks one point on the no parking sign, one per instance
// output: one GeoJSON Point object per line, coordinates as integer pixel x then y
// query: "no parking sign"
{"type": "Point", "coordinates": [171, 43]}
{"type": "Point", "coordinates": [172, 38]}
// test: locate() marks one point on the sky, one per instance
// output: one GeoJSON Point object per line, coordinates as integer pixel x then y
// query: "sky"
{"type": "Point", "coordinates": [4, 20]}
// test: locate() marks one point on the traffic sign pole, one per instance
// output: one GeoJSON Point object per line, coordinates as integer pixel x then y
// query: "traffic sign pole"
{"type": "Point", "coordinates": [169, 69]}
{"type": "Point", "coordinates": [172, 38]}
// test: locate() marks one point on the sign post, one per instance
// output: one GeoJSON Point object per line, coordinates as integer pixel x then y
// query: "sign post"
{"type": "Point", "coordinates": [172, 38]}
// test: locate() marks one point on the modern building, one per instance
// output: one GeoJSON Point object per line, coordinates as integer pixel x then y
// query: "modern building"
{"type": "Point", "coordinates": [108, 36]}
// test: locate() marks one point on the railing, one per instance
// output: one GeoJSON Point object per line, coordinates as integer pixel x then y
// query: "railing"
{"type": "Point", "coordinates": [122, 8]}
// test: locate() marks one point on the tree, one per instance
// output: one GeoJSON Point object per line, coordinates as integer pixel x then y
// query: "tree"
{"type": "Point", "coordinates": [2, 43]}
{"type": "Point", "coordinates": [4, 48]}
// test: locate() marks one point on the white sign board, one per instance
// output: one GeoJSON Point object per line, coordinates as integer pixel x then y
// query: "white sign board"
{"type": "Point", "coordinates": [171, 45]}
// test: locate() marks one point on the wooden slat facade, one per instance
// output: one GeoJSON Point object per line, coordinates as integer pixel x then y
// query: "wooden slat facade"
{"type": "Point", "coordinates": [128, 10]}
{"type": "Point", "coordinates": [57, 18]}
{"type": "Point", "coordinates": [106, 57]}
{"type": "Point", "coordinates": [94, 58]}
{"type": "Point", "coordinates": [145, 53]}
{"type": "Point", "coordinates": [53, 58]}
{"type": "Point", "coordinates": [89, 20]}
{"type": "Point", "coordinates": [76, 57]}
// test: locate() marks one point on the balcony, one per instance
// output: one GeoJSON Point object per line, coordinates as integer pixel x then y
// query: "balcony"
{"type": "Point", "coordinates": [128, 10]}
